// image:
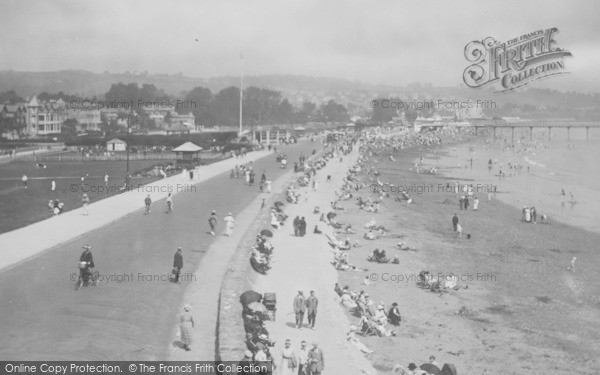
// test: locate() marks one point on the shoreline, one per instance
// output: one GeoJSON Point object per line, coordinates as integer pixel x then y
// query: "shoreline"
{"type": "Point", "coordinates": [513, 259]}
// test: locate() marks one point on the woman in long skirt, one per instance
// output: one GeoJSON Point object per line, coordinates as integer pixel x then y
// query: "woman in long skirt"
{"type": "Point", "coordinates": [186, 323]}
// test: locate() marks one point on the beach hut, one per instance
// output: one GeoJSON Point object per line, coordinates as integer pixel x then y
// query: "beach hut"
{"type": "Point", "coordinates": [116, 145]}
{"type": "Point", "coordinates": [187, 155]}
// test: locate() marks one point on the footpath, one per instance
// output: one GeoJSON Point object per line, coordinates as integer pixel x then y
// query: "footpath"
{"type": "Point", "coordinates": [21, 244]}
{"type": "Point", "coordinates": [304, 263]}
{"type": "Point", "coordinates": [209, 275]}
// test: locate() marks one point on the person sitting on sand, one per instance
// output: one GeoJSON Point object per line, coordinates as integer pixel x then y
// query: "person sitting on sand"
{"type": "Point", "coordinates": [347, 301]}
{"type": "Point", "coordinates": [348, 229]}
{"type": "Point", "coordinates": [370, 224]}
{"type": "Point", "coordinates": [412, 370]}
{"type": "Point", "coordinates": [369, 235]}
{"type": "Point", "coordinates": [383, 332]}
{"type": "Point", "coordinates": [394, 315]}
{"type": "Point", "coordinates": [380, 316]}
{"type": "Point", "coordinates": [338, 290]}
{"type": "Point", "coordinates": [336, 206]}
{"type": "Point", "coordinates": [379, 254]}
{"type": "Point", "coordinates": [317, 230]}
{"type": "Point", "coordinates": [367, 281]}
{"type": "Point", "coordinates": [351, 337]}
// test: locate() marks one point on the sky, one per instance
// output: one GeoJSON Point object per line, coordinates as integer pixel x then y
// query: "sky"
{"type": "Point", "coordinates": [388, 41]}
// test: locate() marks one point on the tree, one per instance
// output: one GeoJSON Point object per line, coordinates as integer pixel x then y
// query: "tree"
{"type": "Point", "coordinates": [333, 112]}
{"type": "Point", "coordinates": [10, 97]}
{"type": "Point", "coordinates": [307, 112]}
{"type": "Point", "coordinates": [203, 106]}
{"type": "Point", "coordinates": [69, 127]}
{"type": "Point", "coordinates": [411, 115]}
{"type": "Point", "coordinates": [227, 106]}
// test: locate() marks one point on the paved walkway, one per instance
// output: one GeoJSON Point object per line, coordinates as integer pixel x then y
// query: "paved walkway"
{"type": "Point", "coordinates": [24, 243]}
{"type": "Point", "coordinates": [209, 274]}
{"type": "Point", "coordinates": [304, 264]}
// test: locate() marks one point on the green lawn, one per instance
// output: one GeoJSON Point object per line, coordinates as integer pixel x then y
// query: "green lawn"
{"type": "Point", "coordinates": [20, 207]}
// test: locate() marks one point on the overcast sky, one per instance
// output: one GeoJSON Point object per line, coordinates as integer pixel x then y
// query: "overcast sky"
{"type": "Point", "coordinates": [393, 42]}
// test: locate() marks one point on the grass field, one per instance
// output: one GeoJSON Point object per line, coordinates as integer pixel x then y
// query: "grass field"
{"type": "Point", "coordinates": [20, 207]}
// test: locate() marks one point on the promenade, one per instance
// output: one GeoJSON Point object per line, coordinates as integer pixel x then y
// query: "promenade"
{"type": "Point", "coordinates": [304, 263]}
{"type": "Point", "coordinates": [26, 242]}
{"type": "Point", "coordinates": [131, 313]}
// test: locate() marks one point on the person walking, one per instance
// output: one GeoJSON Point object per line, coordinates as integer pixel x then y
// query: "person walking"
{"type": "Point", "coordinates": [302, 227]}
{"type": "Point", "coordinates": [299, 309]}
{"type": "Point", "coordinates": [316, 360]}
{"type": "Point", "coordinates": [106, 179]}
{"type": "Point", "coordinates": [86, 201]}
{"type": "Point", "coordinates": [289, 361]}
{"type": "Point", "coordinates": [466, 201]}
{"type": "Point", "coordinates": [186, 323]}
{"type": "Point", "coordinates": [475, 203]}
{"type": "Point", "coordinates": [296, 226]}
{"type": "Point", "coordinates": [229, 224]}
{"type": "Point", "coordinates": [454, 222]}
{"type": "Point", "coordinates": [212, 222]}
{"type": "Point", "coordinates": [53, 185]}
{"type": "Point", "coordinates": [24, 181]}
{"type": "Point", "coordinates": [177, 265]}
{"type": "Point", "coordinates": [169, 203]}
{"type": "Point", "coordinates": [268, 184]}
{"type": "Point", "coordinates": [303, 359]}
{"type": "Point", "coordinates": [312, 302]}
{"type": "Point", "coordinates": [147, 202]}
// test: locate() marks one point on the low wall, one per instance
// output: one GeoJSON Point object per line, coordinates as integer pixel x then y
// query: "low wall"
{"type": "Point", "coordinates": [238, 278]}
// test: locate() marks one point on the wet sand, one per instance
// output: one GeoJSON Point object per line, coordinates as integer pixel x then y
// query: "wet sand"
{"type": "Point", "coordinates": [522, 312]}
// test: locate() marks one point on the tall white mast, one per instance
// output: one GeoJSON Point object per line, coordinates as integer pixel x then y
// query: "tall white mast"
{"type": "Point", "coordinates": [241, 89]}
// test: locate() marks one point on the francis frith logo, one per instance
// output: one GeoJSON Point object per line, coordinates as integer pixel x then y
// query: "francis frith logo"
{"type": "Point", "coordinates": [516, 62]}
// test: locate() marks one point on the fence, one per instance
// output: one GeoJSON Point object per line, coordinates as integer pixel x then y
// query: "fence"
{"type": "Point", "coordinates": [69, 157]}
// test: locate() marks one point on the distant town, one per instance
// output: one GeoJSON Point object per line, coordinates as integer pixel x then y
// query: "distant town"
{"type": "Point", "coordinates": [287, 102]}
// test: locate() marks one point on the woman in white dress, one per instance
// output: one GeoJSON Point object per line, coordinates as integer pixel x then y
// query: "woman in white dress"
{"type": "Point", "coordinates": [229, 224]}
{"type": "Point", "coordinates": [289, 361]}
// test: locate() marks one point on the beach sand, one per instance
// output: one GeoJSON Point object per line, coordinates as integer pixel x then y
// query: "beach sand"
{"type": "Point", "coordinates": [523, 311]}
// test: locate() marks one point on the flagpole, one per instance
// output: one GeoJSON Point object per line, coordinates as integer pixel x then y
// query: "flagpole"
{"type": "Point", "coordinates": [241, 89]}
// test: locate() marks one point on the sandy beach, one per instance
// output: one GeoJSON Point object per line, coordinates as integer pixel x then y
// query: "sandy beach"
{"type": "Point", "coordinates": [522, 311]}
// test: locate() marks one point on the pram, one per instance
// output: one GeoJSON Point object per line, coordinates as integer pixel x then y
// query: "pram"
{"type": "Point", "coordinates": [270, 302]}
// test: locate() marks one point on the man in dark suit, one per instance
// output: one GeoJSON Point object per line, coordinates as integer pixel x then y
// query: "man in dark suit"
{"type": "Point", "coordinates": [177, 264]}
{"type": "Point", "coordinates": [311, 307]}
{"type": "Point", "coordinates": [316, 360]}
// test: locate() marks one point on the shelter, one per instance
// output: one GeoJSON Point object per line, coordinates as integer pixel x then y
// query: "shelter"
{"type": "Point", "coordinates": [187, 154]}
{"type": "Point", "coordinates": [116, 145]}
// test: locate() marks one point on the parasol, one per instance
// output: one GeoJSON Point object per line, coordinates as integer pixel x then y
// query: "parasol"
{"type": "Point", "coordinates": [266, 232]}
{"type": "Point", "coordinates": [250, 296]}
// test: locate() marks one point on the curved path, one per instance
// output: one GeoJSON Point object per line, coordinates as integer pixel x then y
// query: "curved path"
{"type": "Point", "coordinates": [131, 314]}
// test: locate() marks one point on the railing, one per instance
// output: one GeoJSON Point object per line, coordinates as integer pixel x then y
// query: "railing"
{"type": "Point", "coordinates": [116, 157]}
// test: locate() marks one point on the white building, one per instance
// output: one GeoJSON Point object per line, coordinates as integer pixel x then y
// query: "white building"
{"type": "Point", "coordinates": [116, 145]}
{"type": "Point", "coordinates": [45, 117]}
